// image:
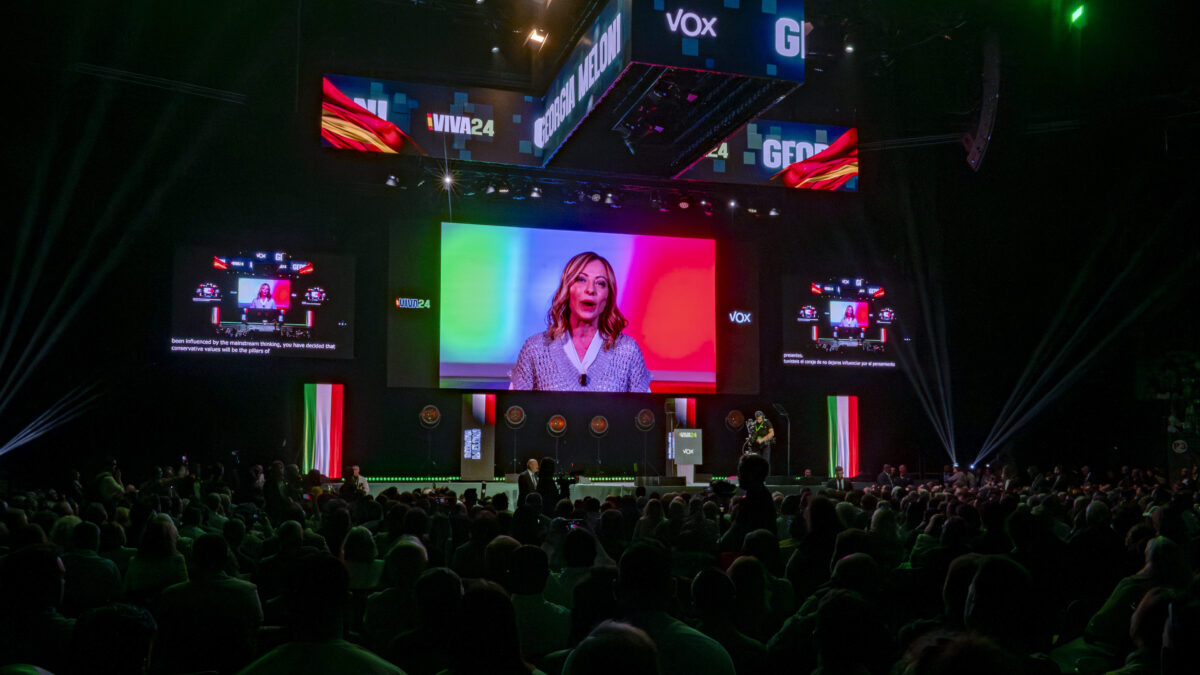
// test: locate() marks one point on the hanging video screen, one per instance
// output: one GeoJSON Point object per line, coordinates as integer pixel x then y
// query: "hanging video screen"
{"type": "Point", "coordinates": [840, 322]}
{"type": "Point", "coordinates": [516, 299]}
{"type": "Point", "coordinates": [262, 304]}
{"type": "Point", "coordinates": [536, 309]}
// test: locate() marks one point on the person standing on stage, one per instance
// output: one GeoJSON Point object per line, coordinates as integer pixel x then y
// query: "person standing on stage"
{"type": "Point", "coordinates": [527, 481]}
{"type": "Point", "coordinates": [360, 482]}
{"type": "Point", "coordinates": [550, 487]}
{"type": "Point", "coordinates": [839, 481]}
{"type": "Point", "coordinates": [764, 435]}
{"type": "Point", "coordinates": [885, 477]}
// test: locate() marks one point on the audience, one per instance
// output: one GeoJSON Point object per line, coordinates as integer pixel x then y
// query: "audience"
{"type": "Point", "coordinates": [1083, 571]}
{"type": "Point", "coordinates": [209, 622]}
{"type": "Point", "coordinates": [542, 626]}
{"type": "Point", "coordinates": [315, 594]}
{"type": "Point", "coordinates": [393, 610]}
{"type": "Point", "coordinates": [91, 581]}
{"type": "Point", "coordinates": [117, 639]}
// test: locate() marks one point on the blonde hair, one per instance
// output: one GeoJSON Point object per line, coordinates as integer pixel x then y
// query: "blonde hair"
{"type": "Point", "coordinates": [611, 322]}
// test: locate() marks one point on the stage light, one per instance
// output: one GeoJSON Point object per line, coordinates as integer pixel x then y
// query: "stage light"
{"type": "Point", "coordinates": [656, 201]}
{"type": "Point", "coordinates": [773, 212]}
{"type": "Point", "coordinates": [495, 49]}
{"type": "Point", "coordinates": [535, 192]}
{"type": "Point", "coordinates": [613, 200]}
{"type": "Point", "coordinates": [751, 209]}
{"type": "Point", "coordinates": [595, 195]}
{"type": "Point", "coordinates": [1077, 15]}
{"type": "Point", "coordinates": [503, 188]}
{"type": "Point", "coordinates": [391, 181]}
{"type": "Point", "coordinates": [536, 39]}
{"type": "Point", "coordinates": [706, 206]}
{"type": "Point", "coordinates": [849, 48]}
{"type": "Point", "coordinates": [447, 180]}
{"type": "Point", "coordinates": [685, 202]}
{"type": "Point", "coordinates": [490, 189]}
{"type": "Point", "coordinates": [733, 203]}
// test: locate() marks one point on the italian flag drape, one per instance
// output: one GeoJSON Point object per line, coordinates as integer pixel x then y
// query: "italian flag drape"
{"type": "Point", "coordinates": [843, 434]}
{"type": "Point", "coordinates": [323, 429]}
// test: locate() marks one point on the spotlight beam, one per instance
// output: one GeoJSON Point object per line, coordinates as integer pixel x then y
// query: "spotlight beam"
{"type": "Point", "coordinates": [1074, 373]}
{"type": "Point", "coordinates": [1034, 364]}
{"type": "Point", "coordinates": [131, 42]}
{"type": "Point", "coordinates": [1181, 207]}
{"type": "Point", "coordinates": [58, 215]}
{"type": "Point", "coordinates": [71, 405]}
{"type": "Point", "coordinates": [938, 351]}
{"type": "Point", "coordinates": [41, 178]}
{"type": "Point", "coordinates": [912, 369]}
{"type": "Point", "coordinates": [1003, 424]}
{"type": "Point", "coordinates": [29, 358]}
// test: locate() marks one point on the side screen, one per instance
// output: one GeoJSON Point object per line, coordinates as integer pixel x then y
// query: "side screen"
{"type": "Point", "coordinates": [262, 304]}
{"type": "Point", "coordinates": [844, 322]}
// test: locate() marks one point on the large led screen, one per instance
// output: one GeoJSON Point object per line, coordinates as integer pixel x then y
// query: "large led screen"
{"type": "Point", "coordinates": [498, 287]}
{"type": "Point", "coordinates": [842, 322]}
{"type": "Point", "coordinates": [262, 304]}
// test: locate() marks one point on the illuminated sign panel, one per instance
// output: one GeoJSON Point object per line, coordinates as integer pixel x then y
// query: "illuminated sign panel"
{"type": "Point", "coordinates": [595, 64]}
{"type": "Point", "coordinates": [474, 123]}
{"type": "Point", "coordinates": [787, 154]}
{"type": "Point", "coordinates": [688, 445]}
{"type": "Point", "coordinates": [763, 38]}
{"type": "Point", "coordinates": [757, 38]}
{"type": "Point", "coordinates": [698, 26]}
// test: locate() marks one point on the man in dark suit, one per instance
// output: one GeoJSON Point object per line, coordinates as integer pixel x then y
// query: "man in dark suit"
{"type": "Point", "coordinates": [839, 480]}
{"type": "Point", "coordinates": [885, 477]}
{"type": "Point", "coordinates": [527, 481]}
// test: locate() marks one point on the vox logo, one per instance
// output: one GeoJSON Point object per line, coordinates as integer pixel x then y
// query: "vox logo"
{"type": "Point", "coordinates": [691, 24]}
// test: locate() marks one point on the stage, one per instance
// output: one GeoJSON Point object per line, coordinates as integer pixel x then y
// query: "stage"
{"type": "Point", "coordinates": [585, 488]}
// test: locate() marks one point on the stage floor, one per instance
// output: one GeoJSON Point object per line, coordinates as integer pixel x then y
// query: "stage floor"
{"type": "Point", "coordinates": [584, 488]}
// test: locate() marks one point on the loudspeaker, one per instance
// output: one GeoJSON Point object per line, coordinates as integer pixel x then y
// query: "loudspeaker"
{"type": "Point", "coordinates": [976, 142]}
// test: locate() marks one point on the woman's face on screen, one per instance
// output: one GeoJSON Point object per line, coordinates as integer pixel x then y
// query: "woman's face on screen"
{"type": "Point", "coordinates": [264, 291]}
{"type": "Point", "coordinates": [589, 292]}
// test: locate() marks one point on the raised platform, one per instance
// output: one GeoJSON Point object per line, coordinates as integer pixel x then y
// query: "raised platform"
{"type": "Point", "coordinates": [584, 488]}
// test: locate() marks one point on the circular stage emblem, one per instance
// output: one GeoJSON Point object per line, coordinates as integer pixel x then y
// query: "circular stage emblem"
{"type": "Point", "coordinates": [430, 416]}
{"type": "Point", "coordinates": [734, 419]}
{"type": "Point", "coordinates": [644, 419]}
{"type": "Point", "coordinates": [1180, 446]}
{"type": "Point", "coordinates": [556, 425]}
{"type": "Point", "coordinates": [514, 417]}
{"type": "Point", "coordinates": [598, 426]}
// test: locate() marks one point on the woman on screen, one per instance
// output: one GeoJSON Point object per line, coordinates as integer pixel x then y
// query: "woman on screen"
{"type": "Point", "coordinates": [582, 348]}
{"type": "Point", "coordinates": [264, 300]}
{"type": "Point", "coordinates": [850, 320]}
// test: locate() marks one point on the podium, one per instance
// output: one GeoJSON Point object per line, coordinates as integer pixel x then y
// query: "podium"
{"type": "Point", "coordinates": [687, 445]}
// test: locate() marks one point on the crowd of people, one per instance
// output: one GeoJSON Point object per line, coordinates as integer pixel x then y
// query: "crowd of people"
{"type": "Point", "coordinates": [270, 571]}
